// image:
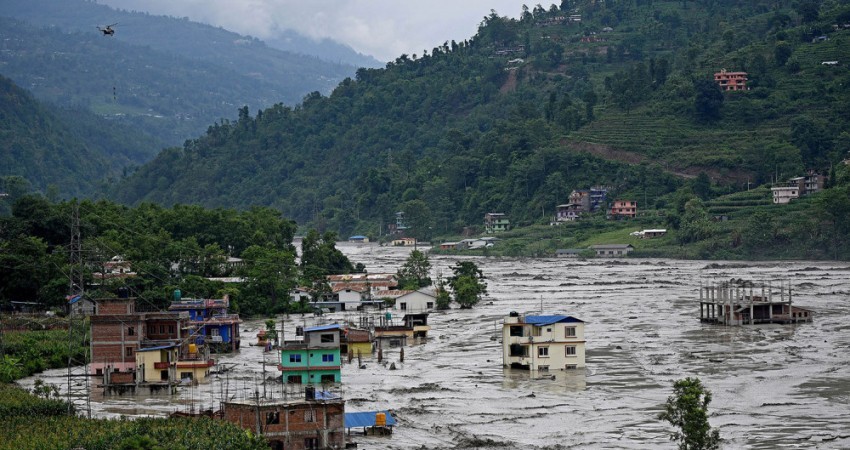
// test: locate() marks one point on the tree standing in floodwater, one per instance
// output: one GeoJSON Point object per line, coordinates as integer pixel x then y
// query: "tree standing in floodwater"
{"type": "Point", "coordinates": [687, 409]}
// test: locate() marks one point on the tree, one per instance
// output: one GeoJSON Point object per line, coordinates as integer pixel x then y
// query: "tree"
{"type": "Point", "coordinates": [708, 100]}
{"type": "Point", "coordinates": [270, 275]}
{"type": "Point", "coordinates": [468, 284]}
{"type": "Point", "coordinates": [414, 273]}
{"type": "Point", "coordinates": [687, 409]}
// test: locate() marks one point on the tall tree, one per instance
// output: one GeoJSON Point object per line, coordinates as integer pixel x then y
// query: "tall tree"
{"type": "Point", "coordinates": [414, 274]}
{"type": "Point", "coordinates": [468, 284]}
{"type": "Point", "coordinates": [687, 410]}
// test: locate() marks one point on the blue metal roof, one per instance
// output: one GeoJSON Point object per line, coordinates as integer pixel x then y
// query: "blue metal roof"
{"type": "Point", "coordinates": [365, 419]}
{"type": "Point", "coordinates": [540, 321]}
{"type": "Point", "coordinates": [334, 326]}
{"type": "Point", "coordinates": [161, 347]}
{"type": "Point", "coordinates": [326, 395]}
{"type": "Point", "coordinates": [359, 237]}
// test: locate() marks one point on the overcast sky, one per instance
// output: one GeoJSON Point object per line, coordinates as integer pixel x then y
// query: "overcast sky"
{"type": "Point", "coordinates": [381, 28]}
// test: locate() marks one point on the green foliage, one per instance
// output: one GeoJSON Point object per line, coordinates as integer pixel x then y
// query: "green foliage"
{"type": "Point", "coordinates": [36, 350]}
{"type": "Point", "coordinates": [467, 283]}
{"type": "Point", "coordinates": [708, 100]}
{"type": "Point", "coordinates": [34, 422]}
{"type": "Point", "coordinates": [687, 410]}
{"type": "Point", "coordinates": [414, 273]}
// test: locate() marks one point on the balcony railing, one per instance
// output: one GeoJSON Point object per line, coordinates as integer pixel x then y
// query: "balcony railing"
{"type": "Point", "coordinates": [161, 365]}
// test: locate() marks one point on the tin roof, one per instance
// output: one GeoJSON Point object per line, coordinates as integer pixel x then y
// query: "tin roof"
{"type": "Point", "coordinates": [365, 419]}
{"type": "Point", "coordinates": [334, 326]}
{"type": "Point", "coordinates": [161, 347]}
{"type": "Point", "coordinates": [540, 321]}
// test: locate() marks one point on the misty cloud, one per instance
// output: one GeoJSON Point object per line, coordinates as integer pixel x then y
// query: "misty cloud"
{"type": "Point", "coordinates": [382, 28]}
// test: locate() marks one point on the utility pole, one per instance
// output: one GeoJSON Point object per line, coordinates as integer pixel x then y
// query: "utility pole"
{"type": "Point", "coordinates": [79, 397]}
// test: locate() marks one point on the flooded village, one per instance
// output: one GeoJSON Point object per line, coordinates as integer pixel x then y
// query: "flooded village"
{"type": "Point", "coordinates": [617, 333]}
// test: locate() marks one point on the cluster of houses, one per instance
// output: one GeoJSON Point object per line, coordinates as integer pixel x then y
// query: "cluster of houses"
{"type": "Point", "coordinates": [586, 201]}
{"type": "Point", "coordinates": [158, 350]}
{"type": "Point", "coordinates": [358, 291]}
{"type": "Point", "coordinates": [798, 187]}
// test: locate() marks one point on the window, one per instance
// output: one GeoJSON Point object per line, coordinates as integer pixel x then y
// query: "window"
{"type": "Point", "coordinates": [570, 350]}
{"type": "Point", "coordinates": [311, 443]}
{"type": "Point", "coordinates": [186, 375]}
{"type": "Point", "coordinates": [516, 331]}
{"type": "Point", "coordinates": [570, 367]}
{"type": "Point", "coordinates": [402, 306]}
{"type": "Point", "coordinates": [171, 329]}
{"type": "Point", "coordinates": [536, 331]}
{"type": "Point", "coordinates": [328, 378]}
{"type": "Point", "coordinates": [327, 338]}
{"type": "Point", "coordinates": [429, 305]}
{"type": "Point", "coordinates": [570, 332]}
{"type": "Point", "coordinates": [151, 329]}
{"type": "Point", "coordinates": [162, 329]}
{"type": "Point", "coordinates": [272, 418]}
{"type": "Point", "coordinates": [128, 351]}
{"type": "Point", "coordinates": [327, 358]}
{"type": "Point", "coordinates": [543, 368]}
{"type": "Point", "coordinates": [294, 379]}
{"type": "Point", "coordinates": [295, 358]}
{"type": "Point", "coordinates": [543, 352]}
{"type": "Point", "coordinates": [131, 331]}
{"type": "Point", "coordinates": [309, 416]}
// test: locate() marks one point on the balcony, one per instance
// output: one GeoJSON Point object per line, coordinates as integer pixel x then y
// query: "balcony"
{"type": "Point", "coordinates": [161, 365]}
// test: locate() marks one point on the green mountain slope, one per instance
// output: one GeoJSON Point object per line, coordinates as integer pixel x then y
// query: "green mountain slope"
{"type": "Point", "coordinates": [527, 110]}
{"type": "Point", "coordinates": [170, 76]}
{"type": "Point", "coordinates": [37, 145]}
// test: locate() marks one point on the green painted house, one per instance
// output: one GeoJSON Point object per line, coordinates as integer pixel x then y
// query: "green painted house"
{"type": "Point", "coordinates": [313, 360]}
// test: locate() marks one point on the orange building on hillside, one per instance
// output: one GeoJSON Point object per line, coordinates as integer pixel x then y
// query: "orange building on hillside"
{"type": "Point", "coordinates": [731, 81]}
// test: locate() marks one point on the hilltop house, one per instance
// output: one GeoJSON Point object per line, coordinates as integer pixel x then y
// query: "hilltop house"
{"type": "Point", "coordinates": [624, 208]}
{"type": "Point", "coordinates": [314, 359]}
{"type": "Point", "coordinates": [553, 342]}
{"type": "Point", "coordinates": [496, 223]}
{"type": "Point", "coordinates": [797, 187]}
{"type": "Point", "coordinates": [731, 81]}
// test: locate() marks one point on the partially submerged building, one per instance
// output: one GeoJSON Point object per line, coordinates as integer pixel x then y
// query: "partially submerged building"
{"type": "Point", "coordinates": [218, 329]}
{"type": "Point", "coordinates": [551, 342]}
{"type": "Point", "coordinates": [747, 303]}
{"type": "Point", "coordinates": [127, 345]}
{"type": "Point", "coordinates": [315, 421]}
{"type": "Point", "coordinates": [314, 359]}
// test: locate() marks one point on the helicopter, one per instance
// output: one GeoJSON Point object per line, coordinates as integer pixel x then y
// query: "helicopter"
{"type": "Point", "coordinates": [108, 31]}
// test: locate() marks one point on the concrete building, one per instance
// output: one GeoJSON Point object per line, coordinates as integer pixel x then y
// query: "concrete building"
{"type": "Point", "coordinates": [731, 81]}
{"type": "Point", "coordinates": [612, 249]}
{"type": "Point", "coordinates": [415, 302]}
{"type": "Point", "coordinates": [496, 223]}
{"type": "Point", "coordinates": [314, 422]}
{"type": "Point", "coordinates": [219, 330]}
{"type": "Point", "coordinates": [314, 359]}
{"type": "Point", "coordinates": [543, 343]}
{"type": "Point", "coordinates": [750, 303]}
{"type": "Point", "coordinates": [624, 209]}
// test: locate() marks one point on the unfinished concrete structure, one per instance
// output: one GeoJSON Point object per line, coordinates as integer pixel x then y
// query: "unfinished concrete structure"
{"type": "Point", "coordinates": [747, 303]}
{"type": "Point", "coordinates": [314, 422]}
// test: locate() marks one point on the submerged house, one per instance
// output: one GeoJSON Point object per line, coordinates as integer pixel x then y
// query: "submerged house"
{"type": "Point", "coordinates": [552, 342]}
{"type": "Point", "coordinates": [413, 326]}
{"type": "Point", "coordinates": [314, 359]}
{"type": "Point", "coordinates": [125, 344]}
{"type": "Point", "coordinates": [218, 329]}
{"type": "Point", "coordinates": [743, 303]}
{"type": "Point", "coordinates": [315, 421]}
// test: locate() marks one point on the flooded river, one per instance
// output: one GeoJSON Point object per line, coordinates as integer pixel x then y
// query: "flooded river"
{"type": "Point", "coordinates": [774, 386]}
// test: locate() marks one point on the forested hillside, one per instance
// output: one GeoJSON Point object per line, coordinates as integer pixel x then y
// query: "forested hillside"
{"type": "Point", "coordinates": [615, 93]}
{"type": "Point", "coordinates": [71, 152]}
{"type": "Point", "coordinates": [168, 76]}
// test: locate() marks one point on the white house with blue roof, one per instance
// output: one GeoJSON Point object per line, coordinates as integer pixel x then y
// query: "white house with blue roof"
{"type": "Point", "coordinates": [543, 343]}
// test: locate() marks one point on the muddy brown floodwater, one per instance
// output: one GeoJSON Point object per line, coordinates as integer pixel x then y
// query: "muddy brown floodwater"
{"type": "Point", "coordinates": [774, 386]}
